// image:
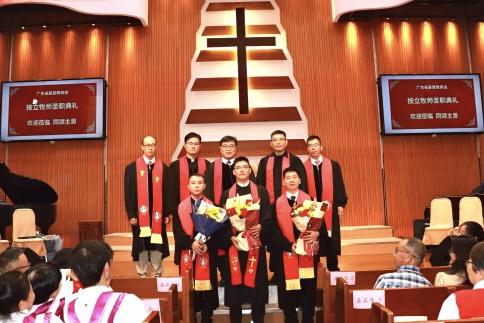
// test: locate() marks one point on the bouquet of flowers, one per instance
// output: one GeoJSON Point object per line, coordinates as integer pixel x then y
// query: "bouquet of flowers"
{"type": "Point", "coordinates": [243, 213]}
{"type": "Point", "coordinates": [307, 217]}
{"type": "Point", "coordinates": [207, 220]}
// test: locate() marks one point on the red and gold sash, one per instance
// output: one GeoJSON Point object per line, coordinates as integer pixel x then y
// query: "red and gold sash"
{"type": "Point", "coordinates": [185, 174]}
{"type": "Point", "coordinates": [327, 182]}
{"type": "Point", "coordinates": [143, 200]}
{"type": "Point", "coordinates": [202, 262]}
{"type": "Point", "coordinates": [253, 253]}
{"type": "Point", "coordinates": [270, 175]}
{"type": "Point", "coordinates": [296, 267]}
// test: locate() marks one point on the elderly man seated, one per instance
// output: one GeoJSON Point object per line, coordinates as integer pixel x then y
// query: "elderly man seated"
{"type": "Point", "coordinates": [466, 304]}
{"type": "Point", "coordinates": [96, 301]}
{"type": "Point", "coordinates": [408, 257]}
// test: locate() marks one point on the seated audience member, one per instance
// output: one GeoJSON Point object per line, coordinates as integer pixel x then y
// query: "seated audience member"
{"type": "Point", "coordinates": [440, 255]}
{"type": "Point", "coordinates": [408, 257]}
{"type": "Point", "coordinates": [13, 259]}
{"type": "Point", "coordinates": [91, 265]}
{"type": "Point", "coordinates": [16, 297]}
{"type": "Point", "coordinates": [45, 279]}
{"type": "Point", "coordinates": [62, 261]}
{"type": "Point", "coordinates": [466, 304]}
{"type": "Point", "coordinates": [459, 253]}
{"type": "Point", "coordinates": [32, 257]}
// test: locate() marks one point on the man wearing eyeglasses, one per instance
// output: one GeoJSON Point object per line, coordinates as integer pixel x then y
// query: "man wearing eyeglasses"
{"type": "Point", "coordinates": [408, 255]}
{"type": "Point", "coordinates": [145, 191]}
{"type": "Point", "coordinates": [325, 183]}
{"type": "Point", "coordinates": [13, 259]}
{"type": "Point", "coordinates": [467, 304]}
{"type": "Point", "coordinates": [181, 169]}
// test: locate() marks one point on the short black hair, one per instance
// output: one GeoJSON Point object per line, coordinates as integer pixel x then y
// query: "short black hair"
{"type": "Point", "coordinates": [474, 229]}
{"type": "Point", "coordinates": [241, 159]}
{"type": "Point", "coordinates": [196, 175]}
{"type": "Point", "coordinates": [477, 256]}
{"type": "Point", "coordinates": [45, 279]}
{"type": "Point", "coordinates": [32, 257]}
{"type": "Point", "coordinates": [290, 169]}
{"type": "Point", "coordinates": [313, 137]}
{"type": "Point", "coordinates": [88, 261]}
{"type": "Point", "coordinates": [62, 258]}
{"type": "Point", "coordinates": [191, 135]}
{"type": "Point", "coordinates": [143, 139]}
{"type": "Point", "coordinates": [8, 257]}
{"type": "Point", "coordinates": [278, 132]}
{"type": "Point", "coordinates": [228, 139]}
{"type": "Point", "coordinates": [14, 287]}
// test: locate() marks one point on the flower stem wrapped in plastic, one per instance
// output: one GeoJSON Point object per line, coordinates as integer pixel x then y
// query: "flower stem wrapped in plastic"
{"type": "Point", "coordinates": [243, 215]}
{"type": "Point", "coordinates": [307, 217]}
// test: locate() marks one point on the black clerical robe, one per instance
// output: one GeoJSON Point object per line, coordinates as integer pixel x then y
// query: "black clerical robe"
{"type": "Point", "coordinates": [294, 161]}
{"type": "Point", "coordinates": [240, 294]}
{"type": "Point", "coordinates": [203, 299]}
{"type": "Point", "coordinates": [131, 205]}
{"type": "Point", "coordinates": [174, 182]}
{"type": "Point", "coordinates": [339, 200]}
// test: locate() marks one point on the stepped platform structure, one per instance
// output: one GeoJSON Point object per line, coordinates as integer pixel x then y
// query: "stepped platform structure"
{"type": "Point", "coordinates": [242, 80]}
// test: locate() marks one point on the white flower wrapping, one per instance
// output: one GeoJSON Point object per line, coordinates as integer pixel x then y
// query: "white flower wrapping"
{"type": "Point", "coordinates": [237, 210]}
{"type": "Point", "coordinates": [301, 222]}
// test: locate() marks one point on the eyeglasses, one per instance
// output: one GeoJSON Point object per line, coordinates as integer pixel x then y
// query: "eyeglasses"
{"type": "Point", "coordinates": [278, 140]}
{"type": "Point", "coordinates": [22, 267]}
{"type": "Point", "coordinates": [397, 250]}
{"type": "Point", "coordinates": [229, 146]}
{"type": "Point", "coordinates": [469, 262]}
{"type": "Point", "coordinates": [193, 144]}
{"type": "Point", "coordinates": [150, 145]}
{"type": "Point", "coordinates": [314, 145]}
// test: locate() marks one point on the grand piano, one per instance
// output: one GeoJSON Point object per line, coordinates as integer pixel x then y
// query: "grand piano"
{"type": "Point", "coordinates": [25, 192]}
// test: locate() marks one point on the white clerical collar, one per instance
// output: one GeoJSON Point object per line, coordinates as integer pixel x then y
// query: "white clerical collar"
{"type": "Point", "coordinates": [148, 161]}
{"type": "Point", "coordinates": [317, 162]}
{"type": "Point", "coordinates": [225, 161]}
{"type": "Point", "coordinates": [289, 195]}
{"type": "Point", "coordinates": [191, 159]}
{"type": "Point", "coordinates": [243, 184]}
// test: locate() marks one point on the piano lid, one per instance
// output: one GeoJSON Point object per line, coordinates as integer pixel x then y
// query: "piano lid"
{"type": "Point", "coordinates": [25, 190]}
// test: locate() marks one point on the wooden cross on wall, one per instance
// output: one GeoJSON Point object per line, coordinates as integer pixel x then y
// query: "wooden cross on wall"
{"type": "Point", "coordinates": [241, 42]}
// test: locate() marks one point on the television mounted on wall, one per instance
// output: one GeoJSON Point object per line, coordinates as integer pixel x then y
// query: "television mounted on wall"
{"type": "Point", "coordinates": [430, 104]}
{"type": "Point", "coordinates": [53, 110]}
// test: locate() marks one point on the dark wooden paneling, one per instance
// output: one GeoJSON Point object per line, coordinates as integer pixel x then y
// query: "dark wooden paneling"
{"type": "Point", "coordinates": [232, 115]}
{"type": "Point", "coordinates": [5, 38]}
{"type": "Point", "coordinates": [230, 83]}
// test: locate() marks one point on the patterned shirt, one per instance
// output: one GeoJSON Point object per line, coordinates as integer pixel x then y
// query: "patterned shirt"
{"type": "Point", "coordinates": [405, 277]}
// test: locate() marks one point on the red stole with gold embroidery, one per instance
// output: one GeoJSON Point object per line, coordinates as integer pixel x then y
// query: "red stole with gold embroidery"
{"type": "Point", "coordinates": [202, 262]}
{"type": "Point", "coordinates": [296, 267]}
{"type": "Point", "coordinates": [253, 253]}
{"type": "Point", "coordinates": [270, 175]}
{"type": "Point", "coordinates": [327, 182]}
{"type": "Point", "coordinates": [143, 200]}
{"type": "Point", "coordinates": [185, 174]}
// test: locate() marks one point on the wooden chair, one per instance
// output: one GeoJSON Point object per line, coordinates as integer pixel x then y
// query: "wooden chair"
{"type": "Point", "coordinates": [23, 225]}
{"type": "Point", "coordinates": [363, 280]}
{"type": "Point", "coordinates": [425, 301]}
{"type": "Point", "coordinates": [153, 317]}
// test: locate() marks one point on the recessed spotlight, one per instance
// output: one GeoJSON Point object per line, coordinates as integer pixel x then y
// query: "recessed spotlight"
{"type": "Point", "coordinates": [93, 25]}
{"type": "Point", "coordinates": [387, 18]}
{"type": "Point", "coordinates": [44, 26]}
{"type": "Point", "coordinates": [129, 24]}
{"type": "Point", "coordinates": [69, 26]}
{"type": "Point", "coordinates": [23, 27]}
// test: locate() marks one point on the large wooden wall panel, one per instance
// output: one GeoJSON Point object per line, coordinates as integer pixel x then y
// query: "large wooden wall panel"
{"type": "Point", "coordinates": [419, 168]}
{"type": "Point", "coordinates": [476, 44]}
{"type": "Point", "coordinates": [333, 66]}
{"type": "Point", "coordinates": [149, 70]}
{"type": "Point", "coordinates": [5, 39]}
{"type": "Point", "coordinates": [73, 168]}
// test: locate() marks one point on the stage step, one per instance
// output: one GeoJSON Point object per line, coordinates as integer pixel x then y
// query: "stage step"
{"type": "Point", "coordinates": [366, 232]}
{"type": "Point", "coordinates": [369, 246]}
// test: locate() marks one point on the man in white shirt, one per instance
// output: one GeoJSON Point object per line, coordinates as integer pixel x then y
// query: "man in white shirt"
{"type": "Point", "coordinates": [96, 301]}
{"type": "Point", "coordinates": [466, 304]}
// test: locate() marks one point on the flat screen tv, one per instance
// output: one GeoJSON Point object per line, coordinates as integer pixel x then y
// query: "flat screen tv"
{"type": "Point", "coordinates": [430, 104]}
{"type": "Point", "coordinates": [53, 110]}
